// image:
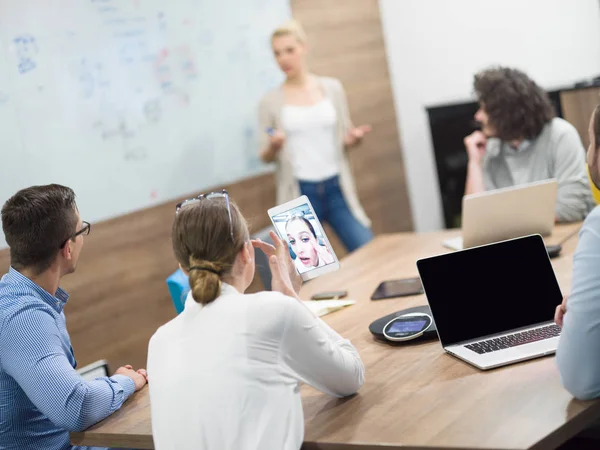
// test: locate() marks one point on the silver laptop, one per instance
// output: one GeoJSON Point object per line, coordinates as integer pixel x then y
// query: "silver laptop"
{"type": "Point", "coordinates": [494, 305]}
{"type": "Point", "coordinates": [507, 213]}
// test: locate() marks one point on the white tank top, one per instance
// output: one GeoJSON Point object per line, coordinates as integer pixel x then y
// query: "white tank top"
{"type": "Point", "coordinates": [311, 140]}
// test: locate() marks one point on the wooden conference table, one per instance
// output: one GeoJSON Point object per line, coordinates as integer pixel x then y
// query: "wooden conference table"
{"type": "Point", "coordinates": [415, 396]}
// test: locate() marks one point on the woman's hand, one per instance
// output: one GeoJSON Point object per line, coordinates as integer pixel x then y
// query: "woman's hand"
{"type": "Point", "coordinates": [324, 254]}
{"type": "Point", "coordinates": [276, 140]}
{"type": "Point", "coordinates": [286, 278]}
{"type": "Point", "coordinates": [355, 135]}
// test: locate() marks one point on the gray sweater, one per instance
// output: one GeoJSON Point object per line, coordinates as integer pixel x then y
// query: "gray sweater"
{"type": "Point", "coordinates": [556, 153]}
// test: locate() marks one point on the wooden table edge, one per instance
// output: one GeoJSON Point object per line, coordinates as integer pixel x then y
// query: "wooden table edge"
{"type": "Point", "coordinates": [132, 441]}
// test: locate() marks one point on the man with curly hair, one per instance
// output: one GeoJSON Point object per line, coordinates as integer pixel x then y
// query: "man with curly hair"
{"type": "Point", "coordinates": [522, 141]}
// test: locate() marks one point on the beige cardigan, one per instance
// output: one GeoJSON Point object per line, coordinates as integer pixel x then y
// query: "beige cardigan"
{"type": "Point", "coordinates": [287, 187]}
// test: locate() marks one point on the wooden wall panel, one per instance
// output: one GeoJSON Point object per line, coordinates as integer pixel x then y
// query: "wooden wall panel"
{"type": "Point", "coordinates": [577, 108]}
{"type": "Point", "coordinates": [118, 294]}
{"type": "Point", "coordinates": [4, 261]}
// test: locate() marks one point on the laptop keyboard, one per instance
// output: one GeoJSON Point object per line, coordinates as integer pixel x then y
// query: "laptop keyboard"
{"type": "Point", "coordinates": [512, 340]}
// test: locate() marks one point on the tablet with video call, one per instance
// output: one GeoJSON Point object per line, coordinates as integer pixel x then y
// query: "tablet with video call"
{"type": "Point", "coordinates": [298, 225]}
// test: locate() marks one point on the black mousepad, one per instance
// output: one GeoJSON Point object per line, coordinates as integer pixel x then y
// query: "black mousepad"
{"type": "Point", "coordinates": [376, 328]}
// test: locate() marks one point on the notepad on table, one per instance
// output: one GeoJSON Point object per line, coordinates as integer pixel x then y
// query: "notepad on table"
{"type": "Point", "coordinates": [322, 307]}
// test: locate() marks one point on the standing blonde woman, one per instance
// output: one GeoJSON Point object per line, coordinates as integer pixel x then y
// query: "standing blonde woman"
{"type": "Point", "coordinates": [306, 130]}
{"type": "Point", "coordinates": [225, 372]}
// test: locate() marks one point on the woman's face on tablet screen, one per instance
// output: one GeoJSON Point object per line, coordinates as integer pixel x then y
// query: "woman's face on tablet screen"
{"type": "Point", "coordinates": [303, 242]}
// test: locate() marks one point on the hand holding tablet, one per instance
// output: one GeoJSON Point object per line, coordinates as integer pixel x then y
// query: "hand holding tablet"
{"type": "Point", "coordinates": [297, 224]}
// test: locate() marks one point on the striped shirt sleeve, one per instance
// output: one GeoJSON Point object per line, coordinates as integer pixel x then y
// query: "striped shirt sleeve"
{"type": "Point", "coordinates": [37, 360]}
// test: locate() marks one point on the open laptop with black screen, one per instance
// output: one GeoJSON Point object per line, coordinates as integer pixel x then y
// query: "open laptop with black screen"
{"type": "Point", "coordinates": [494, 305]}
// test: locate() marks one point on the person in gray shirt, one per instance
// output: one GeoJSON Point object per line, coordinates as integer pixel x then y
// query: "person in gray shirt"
{"type": "Point", "coordinates": [522, 141]}
{"type": "Point", "coordinates": [579, 315]}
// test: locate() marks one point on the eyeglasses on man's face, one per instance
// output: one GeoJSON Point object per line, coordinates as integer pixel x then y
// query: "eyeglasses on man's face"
{"type": "Point", "coordinates": [85, 230]}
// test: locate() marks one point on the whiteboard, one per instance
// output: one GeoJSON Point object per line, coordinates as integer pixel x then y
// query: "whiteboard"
{"type": "Point", "coordinates": [133, 102]}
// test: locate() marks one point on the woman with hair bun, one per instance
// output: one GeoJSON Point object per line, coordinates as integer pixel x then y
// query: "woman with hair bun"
{"type": "Point", "coordinates": [225, 373]}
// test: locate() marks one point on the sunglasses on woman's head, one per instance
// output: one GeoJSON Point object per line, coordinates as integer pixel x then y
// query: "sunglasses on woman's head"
{"type": "Point", "coordinates": [209, 196]}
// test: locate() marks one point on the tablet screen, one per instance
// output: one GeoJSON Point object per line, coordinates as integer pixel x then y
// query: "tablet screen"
{"type": "Point", "coordinates": [306, 240]}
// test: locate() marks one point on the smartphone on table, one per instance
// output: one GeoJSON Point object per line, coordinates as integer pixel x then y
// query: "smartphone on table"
{"type": "Point", "coordinates": [330, 295]}
{"type": "Point", "coordinates": [398, 288]}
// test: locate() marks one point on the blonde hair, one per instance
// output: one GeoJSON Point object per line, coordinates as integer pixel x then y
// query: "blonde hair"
{"type": "Point", "coordinates": [291, 27]}
{"type": "Point", "coordinates": [203, 244]}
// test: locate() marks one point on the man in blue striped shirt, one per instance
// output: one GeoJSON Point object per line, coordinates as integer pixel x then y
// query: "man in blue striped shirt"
{"type": "Point", "coordinates": [42, 397]}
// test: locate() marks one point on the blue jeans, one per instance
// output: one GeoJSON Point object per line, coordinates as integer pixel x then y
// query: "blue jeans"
{"type": "Point", "coordinates": [330, 206]}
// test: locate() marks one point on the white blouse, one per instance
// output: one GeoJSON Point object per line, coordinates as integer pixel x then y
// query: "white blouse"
{"type": "Point", "coordinates": [226, 376]}
{"type": "Point", "coordinates": [311, 140]}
